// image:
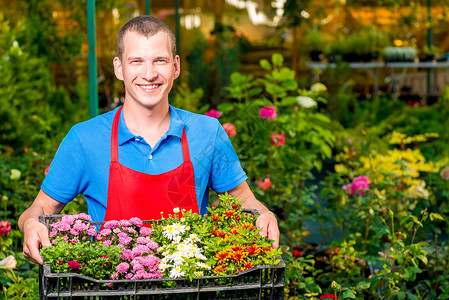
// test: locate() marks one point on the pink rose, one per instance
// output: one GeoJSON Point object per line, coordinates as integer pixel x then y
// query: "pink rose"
{"type": "Point", "coordinates": [358, 186]}
{"type": "Point", "coordinates": [213, 113]}
{"type": "Point", "coordinates": [277, 139]}
{"type": "Point", "coordinates": [264, 184]}
{"type": "Point", "coordinates": [5, 228]}
{"type": "Point", "coordinates": [268, 112]}
{"type": "Point", "coordinates": [230, 129]}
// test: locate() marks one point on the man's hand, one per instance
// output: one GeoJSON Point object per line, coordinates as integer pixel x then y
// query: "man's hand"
{"type": "Point", "coordinates": [35, 237]}
{"type": "Point", "coordinates": [35, 234]}
{"type": "Point", "coordinates": [267, 221]}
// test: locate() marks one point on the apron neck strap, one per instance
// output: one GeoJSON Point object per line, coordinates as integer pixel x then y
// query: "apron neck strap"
{"type": "Point", "coordinates": [114, 139]}
{"type": "Point", "coordinates": [114, 136]}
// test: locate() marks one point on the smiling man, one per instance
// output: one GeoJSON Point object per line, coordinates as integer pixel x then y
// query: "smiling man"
{"type": "Point", "coordinates": [145, 157]}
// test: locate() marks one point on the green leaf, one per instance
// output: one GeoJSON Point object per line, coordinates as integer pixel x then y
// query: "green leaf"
{"type": "Point", "coordinates": [265, 64]}
{"type": "Point", "coordinates": [436, 216]}
{"type": "Point", "coordinates": [277, 59]}
{"type": "Point", "coordinates": [363, 285]}
{"type": "Point", "coordinates": [348, 294]}
{"type": "Point", "coordinates": [411, 296]}
{"type": "Point", "coordinates": [288, 101]}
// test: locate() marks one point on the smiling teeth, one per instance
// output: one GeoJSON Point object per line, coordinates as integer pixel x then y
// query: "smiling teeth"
{"type": "Point", "coordinates": [149, 87]}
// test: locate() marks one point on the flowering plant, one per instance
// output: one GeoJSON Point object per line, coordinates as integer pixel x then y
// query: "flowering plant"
{"type": "Point", "coordinates": [224, 242]}
{"type": "Point", "coordinates": [234, 242]}
{"type": "Point", "coordinates": [120, 250]}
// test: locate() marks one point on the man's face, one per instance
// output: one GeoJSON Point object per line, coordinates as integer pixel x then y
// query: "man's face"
{"type": "Point", "coordinates": [147, 69]}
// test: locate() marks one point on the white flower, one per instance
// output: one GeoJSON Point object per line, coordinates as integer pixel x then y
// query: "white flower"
{"type": "Point", "coordinates": [198, 273]}
{"type": "Point", "coordinates": [8, 263]}
{"type": "Point", "coordinates": [203, 266]}
{"type": "Point", "coordinates": [176, 272]}
{"type": "Point", "coordinates": [305, 101]}
{"type": "Point", "coordinates": [163, 266]}
{"type": "Point", "coordinates": [176, 210]}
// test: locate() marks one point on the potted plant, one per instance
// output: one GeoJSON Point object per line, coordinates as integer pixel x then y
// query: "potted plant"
{"type": "Point", "coordinates": [429, 53]}
{"type": "Point", "coordinates": [315, 44]}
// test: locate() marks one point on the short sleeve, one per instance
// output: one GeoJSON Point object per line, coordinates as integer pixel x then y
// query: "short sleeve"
{"type": "Point", "coordinates": [66, 177]}
{"type": "Point", "coordinates": [226, 171]}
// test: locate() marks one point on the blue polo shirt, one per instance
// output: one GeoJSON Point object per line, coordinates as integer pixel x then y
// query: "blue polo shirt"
{"type": "Point", "coordinates": [81, 163]}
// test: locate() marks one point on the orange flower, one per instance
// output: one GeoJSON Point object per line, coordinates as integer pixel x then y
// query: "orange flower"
{"type": "Point", "coordinates": [230, 129]}
{"type": "Point", "coordinates": [238, 255]}
{"type": "Point", "coordinates": [218, 269]}
{"type": "Point", "coordinates": [248, 264]}
{"type": "Point", "coordinates": [253, 250]}
{"type": "Point", "coordinates": [215, 217]}
{"type": "Point", "coordinates": [264, 184]}
{"type": "Point", "coordinates": [234, 231]}
{"type": "Point", "coordinates": [236, 248]}
{"type": "Point", "coordinates": [248, 225]}
{"type": "Point", "coordinates": [229, 214]}
{"type": "Point", "coordinates": [221, 255]}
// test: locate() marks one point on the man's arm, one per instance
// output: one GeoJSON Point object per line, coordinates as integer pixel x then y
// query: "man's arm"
{"type": "Point", "coordinates": [266, 220]}
{"type": "Point", "coordinates": [35, 234]}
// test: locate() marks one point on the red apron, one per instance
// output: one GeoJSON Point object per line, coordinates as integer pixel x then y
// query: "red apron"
{"type": "Point", "coordinates": [136, 194]}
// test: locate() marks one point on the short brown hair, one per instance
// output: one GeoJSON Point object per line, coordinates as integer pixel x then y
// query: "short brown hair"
{"type": "Point", "coordinates": [146, 26]}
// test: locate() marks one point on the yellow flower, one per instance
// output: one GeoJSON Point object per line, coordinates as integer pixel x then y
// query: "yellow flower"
{"type": "Point", "coordinates": [15, 174]}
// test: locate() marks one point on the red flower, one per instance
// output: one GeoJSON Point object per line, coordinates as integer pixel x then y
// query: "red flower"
{"type": "Point", "coordinates": [297, 253]}
{"type": "Point", "coordinates": [73, 265]}
{"type": "Point", "coordinates": [46, 170]}
{"type": "Point", "coordinates": [268, 112]}
{"type": "Point", "coordinates": [215, 218]}
{"type": "Point", "coordinates": [230, 129]}
{"type": "Point", "coordinates": [277, 139]}
{"type": "Point", "coordinates": [265, 184]}
{"type": "Point", "coordinates": [213, 113]}
{"type": "Point", "coordinates": [328, 296]}
{"type": "Point", "coordinates": [5, 228]}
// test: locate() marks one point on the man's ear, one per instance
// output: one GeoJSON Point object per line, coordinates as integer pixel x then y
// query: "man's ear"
{"type": "Point", "coordinates": [177, 66]}
{"type": "Point", "coordinates": [118, 68]}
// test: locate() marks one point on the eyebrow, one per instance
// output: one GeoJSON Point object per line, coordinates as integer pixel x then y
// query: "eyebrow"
{"type": "Point", "coordinates": [134, 58]}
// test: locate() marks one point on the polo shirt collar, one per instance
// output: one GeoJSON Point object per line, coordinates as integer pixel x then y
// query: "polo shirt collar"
{"type": "Point", "coordinates": [175, 129]}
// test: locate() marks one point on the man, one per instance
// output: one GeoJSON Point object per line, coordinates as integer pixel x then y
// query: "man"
{"type": "Point", "coordinates": [144, 157]}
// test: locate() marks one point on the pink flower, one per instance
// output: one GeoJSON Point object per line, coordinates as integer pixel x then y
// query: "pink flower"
{"type": "Point", "coordinates": [277, 139]}
{"type": "Point", "coordinates": [122, 268]}
{"type": "Point", "coordinates": [268, 112]}
{"type": "Point", "coordinates": [213, 113]}
{"type": "Point", "coordinates": [110, 224]}
{"type": "Point", "coordinates": [264, 184]}
{"type": "Point", "coordinates": [5, 228]}
{"type": "Point", "coordinates": [129, 276]}
{"type": "Point", "coordinates": [230, 129]}
{"type": "Point", "coordinates": [145, 231]}
{"type": "Point", "coordinates": [136, 221]}
{"type": "Point", "coordinates": [73, 265]}
{"type": "Point", "coordinates": [358, 186]}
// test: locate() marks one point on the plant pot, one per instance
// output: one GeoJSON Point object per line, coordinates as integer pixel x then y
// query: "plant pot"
{"type": "Point", "coordinates": [316, 55]}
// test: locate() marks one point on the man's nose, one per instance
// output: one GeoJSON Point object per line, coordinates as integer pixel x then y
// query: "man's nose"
{"type": "Point", "coordinates": [149, 72]}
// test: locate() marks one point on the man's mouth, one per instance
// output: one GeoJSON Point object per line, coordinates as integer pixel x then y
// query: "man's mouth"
{"type": "Point", "coordinates": [149, 87]}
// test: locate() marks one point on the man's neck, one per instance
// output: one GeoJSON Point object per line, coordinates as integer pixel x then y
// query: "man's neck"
{"type": "Point", "coordinates": [150, 124]}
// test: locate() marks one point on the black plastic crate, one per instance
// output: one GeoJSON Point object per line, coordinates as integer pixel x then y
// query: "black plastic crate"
{"type": "Point", "coordinates": [260, 282]}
